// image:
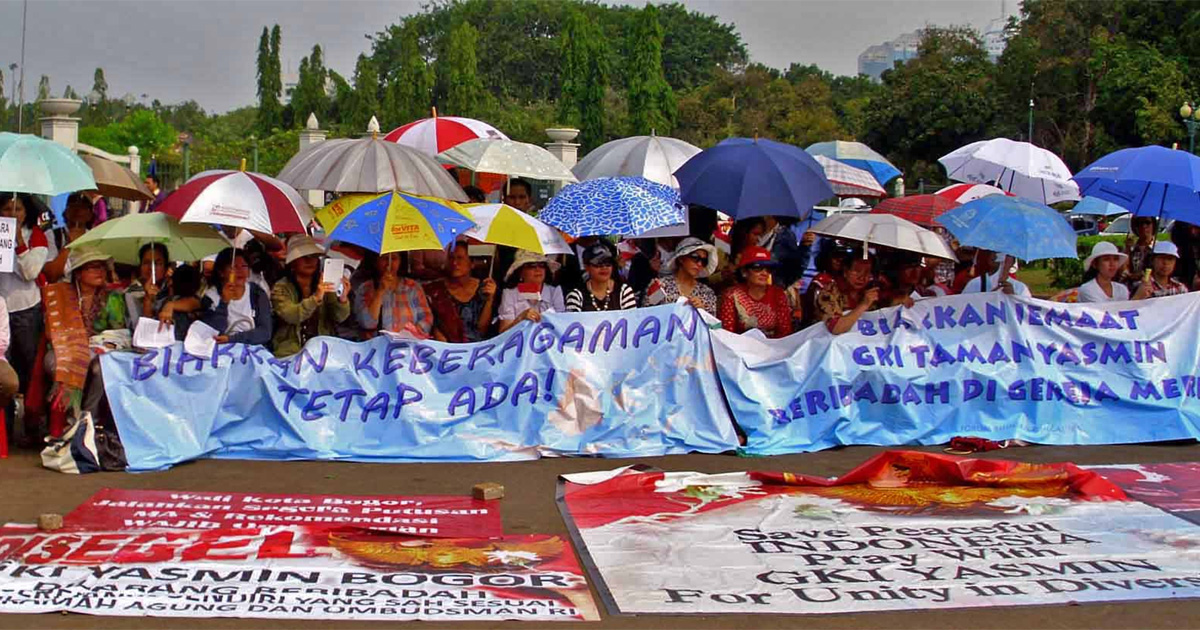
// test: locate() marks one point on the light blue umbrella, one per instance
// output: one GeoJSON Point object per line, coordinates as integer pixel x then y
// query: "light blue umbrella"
{"type": "Point", "coordinates": [1015, 226]}
{"type": "Point", "coordinates": [625, 206]}
{"type": "Point", "coordinates": [1099, 207]}
{"type": "Point", "coordinates": [858, 155]}
{"type": "Point", "coordinates": [29, 164]}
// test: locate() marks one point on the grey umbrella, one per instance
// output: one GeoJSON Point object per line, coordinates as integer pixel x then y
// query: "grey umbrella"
{"type": "Point", "coordinates": [369, 165]}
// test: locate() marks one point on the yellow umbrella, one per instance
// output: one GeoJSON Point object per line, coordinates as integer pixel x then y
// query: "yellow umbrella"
{"type": "Point", "coordinates": [393, 222]}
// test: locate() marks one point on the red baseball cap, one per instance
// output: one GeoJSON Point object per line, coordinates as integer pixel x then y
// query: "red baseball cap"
{"type": "Point", "coordinates": [755, 255]}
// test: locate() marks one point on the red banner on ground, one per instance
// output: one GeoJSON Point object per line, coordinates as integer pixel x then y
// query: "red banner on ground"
{"type": "Point", "coordinates": [438, 516]}
{"type": "Point", "coordinates": [1172, 487]}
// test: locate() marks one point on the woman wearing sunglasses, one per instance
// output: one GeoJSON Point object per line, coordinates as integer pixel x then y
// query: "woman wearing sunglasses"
{"type": "Point", "coordinates": [755, 302]}
{"type": "Point", "coordinates": [693, 259]}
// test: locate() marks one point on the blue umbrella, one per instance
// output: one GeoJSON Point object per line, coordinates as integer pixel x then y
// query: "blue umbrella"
{"type": "Point", "coordinates": [58, 205]}
{"type": "Point", "coordinates": [1099, 207]}
{"type": "Point", "coordinates": [1011, 225]}
{"type": "Point", "coordinates": [858, 155]}
{"type": "Point", "coordinates": [1147, 181]}
{"type": "Point", "coordinates": [753, 178]}
{"type": "Point", "coordinates": [627, 206]}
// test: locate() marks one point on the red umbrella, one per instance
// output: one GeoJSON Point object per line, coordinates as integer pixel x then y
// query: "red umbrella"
{"type": "Point", "coordinates": [433, 135]}
{"type": "Point", "coordinates": [962, 193]}
{"type": "Point", "coordinates": [920, 209]}
{"type": "Point", "coordinates": [239, 199]}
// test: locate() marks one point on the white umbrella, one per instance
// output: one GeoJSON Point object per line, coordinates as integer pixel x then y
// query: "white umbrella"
{"type": "Point", "coordinates": [884, 230]}
{"type": "Point", "coordinates": [502, 224]}
{"type": "Point", "coordinates": [433, 135]}
{"type": "Point", "coordinates": [654, 157]}
{"type": "Point", "coordinates": [848, 181]}
{"type": "Point", "coordinates": [369, 165]}
{"type": "Point", "coordinates": [507, 157]}
{"type": "Point", "coordinates": [1016, 167]}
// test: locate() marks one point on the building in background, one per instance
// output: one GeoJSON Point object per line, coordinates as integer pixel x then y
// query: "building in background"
{"type": "Point", "coordinates": [875, 59]}
{"type": "Point", "coordinates": [995, 37]}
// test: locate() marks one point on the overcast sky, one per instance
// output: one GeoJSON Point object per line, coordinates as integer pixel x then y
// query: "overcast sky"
{"type": "Point", "coordinates": [204, 49]}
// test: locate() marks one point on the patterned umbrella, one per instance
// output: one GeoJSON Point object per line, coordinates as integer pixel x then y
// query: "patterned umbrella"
{"type": "Point", "coordinates": [393, 222]}
{"type": "Point", "coordinates": [1016, 226]}
{"type": "Point", "coordinates": [962, 193]}
{"type": "Point", "coordinates": [239, 199]}
{"type": "Point", "coordinates": [433, 135]}
{"type": "Point", "coordinates": [626, 206]}
{"type": "Point", "coordinates": [858, 155]}
{"type": "Point", "coordinates": [848, 181]}
{"type": "Point", "coordinates": [920, 209]}
{"type": "Point", "coordinates": [508, 157]}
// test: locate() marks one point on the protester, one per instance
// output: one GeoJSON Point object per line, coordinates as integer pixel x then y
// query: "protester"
{"type": "Point", "coordinates": [80, 216]}
{"type": "Point", "coordinates": [602, 291]}
{"type": "Point", "coordinates": [794, 250]}
{"type": "Point", "coordinates": [989, 276]}
{"type": "Point", "coordinates": [152, 183]}
{"type": "Point", "coordinates": [528, 294]}
{"type": "Point", "coordinates": [903, 280]}
{"type": "Point", "coordinates": [1100, 275]}
{"type": "Point", "coordinates": [745, 233]}
{"type": "Point", "coordinates": [305, 306]}
{"type": "Point", "coordinates": [755, 301]}
{"type": "Point", "coordinates": [150, 291]}
{"type": "Point", "coordinates": [9, 382]}
{"type": "Point", "coordinates": [182, 306]}
{"type": "Point", "coordinates": [19, 287]}
{"type": "Point", "coordinates": [99, 205]}
{"type": "Point", "coordinates": [475, 194]}
{"type": "Point", "coordinates": [1186, 237]}
{"type": "Point", "coordinates": [1139, 246]}
{"type": "Point", "coordinates": [692, 260]}
{"type": "Point", "coordinates": [840, 300]}
{"type": "Point", "coordinates": [238, 309]}
{"type": "Point", "coordinates": [463, 306]}
{"type": "Point", "coordinates": [520, 195]}
{"type": "Point", "coordinates": [1160, 283]}
{"type": "Point", "coordinates": [387, 301]}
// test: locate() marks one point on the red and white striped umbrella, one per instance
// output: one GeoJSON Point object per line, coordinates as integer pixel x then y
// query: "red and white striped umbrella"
{"type": "Point", "coordinates": [848, 181]}
{"type": "Point", "coordinates": [239, 199]}
{"type": "Point", "coordinates": [962, 193]}
{"type": "Point", "coordinates": [431, 136]}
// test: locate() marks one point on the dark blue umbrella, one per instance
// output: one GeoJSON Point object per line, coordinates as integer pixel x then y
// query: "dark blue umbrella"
{"type": "Point", "coordinates": [1015, 226]}
{"type": "Point", "coordinates": [1148, 181]}
{"type": "Point", "coordinates": [751, 178]}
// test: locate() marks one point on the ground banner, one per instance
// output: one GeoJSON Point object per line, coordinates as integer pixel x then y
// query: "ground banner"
{"type": "Point", "coordinates": [292, 572]}
{"type": "Point", "coordinates": [904, 531]}
{"type": "Point", "coordinates": [987, 365]}
{"type": "Point", "coordinates": [113, 509]}
{"type": "Point", "coordinates": [620, 384]}
{"type": "Point", "coordinates": [1173, 487]}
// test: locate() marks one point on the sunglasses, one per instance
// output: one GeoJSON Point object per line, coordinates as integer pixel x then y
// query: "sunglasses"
{"type": "Point", "coordinates": [758, 267]}
{"type": "Point", "coordinates": [603, 263]}
{"type": "Point", "coordinates": [699, 258]}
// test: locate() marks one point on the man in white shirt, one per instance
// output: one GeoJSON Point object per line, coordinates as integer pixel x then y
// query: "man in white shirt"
{"type": "Point", "coordinates": [992, 278]}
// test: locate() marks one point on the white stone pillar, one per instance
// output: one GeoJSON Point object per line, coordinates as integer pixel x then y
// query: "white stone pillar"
{"type": "Point", "coordinates": [58, 124]}
{"type": "Point", "coordinates": [135, 161]}
{"type": "Point", "coordinates": [563, 149]}
{"type": "Point", "coordinates": [312, 134]}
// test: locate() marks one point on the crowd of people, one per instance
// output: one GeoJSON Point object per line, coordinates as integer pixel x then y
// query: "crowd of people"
{"type": "Point", "coordinates": [61, 307]}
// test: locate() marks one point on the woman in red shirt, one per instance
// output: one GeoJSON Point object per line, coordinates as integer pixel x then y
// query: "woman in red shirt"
{"type": "Point", "coordinates": [755, 302]}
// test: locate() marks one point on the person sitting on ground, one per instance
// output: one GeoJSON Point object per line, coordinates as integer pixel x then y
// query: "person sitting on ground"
{"type": "Point", "coordinates": [238, 309]}
{"type": "Point", "coordinates": [1100, 275]}
{"type": "Point", "coordinates": [79, 216]}
{"type": "Point", "coordinates": [755, 301]}
{"type": "Point", "coordinates": [1139, 247]}
{"type": "Point", "coordinates": [602, 291]}
{"type": "Point", "coordinates": [151, 290]}
{"type": "Point", "coordinates": [528, 294]}
{"type": "Point", "coordinates": [462, 305]}
{"type": "Point", "coordinates": [990, 275]}
{"type": "Point", "coordinates": [839, 301]}
{"type": "Point", "coordinates": [1160, 283]}
{"type": "Point", "coordinates": [182, 305]}
{"type": "Point", "coordinates": [305, 306]}
{"type": "Point", "coordinates": [387, 301]}
{"type": "Point", "coordinates": [692, 260]}
{"type": "Point", "coordinates": [904, 279]}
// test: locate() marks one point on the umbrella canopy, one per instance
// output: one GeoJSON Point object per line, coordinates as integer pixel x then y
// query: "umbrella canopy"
{"type": "Point", "coordinates": [122, 237]}
{"type": "Point", "coordinates": [962, 193]}
{"type": "Point", "coordinates": [1098, 207]}
{"type": "Point", "coordinates": [858, 155]}
{"type": "Point", "coordinates": [884, 230]}
{"type": "Point", "coordinates": [920, 209]}
{"type": "Point", "coordinates": [433, 135]}
{"type": "Point", "coordinates": [507, 157]}
{"type": "Point", "coordinates": [114, 180]}
{"type": "Point", "coordinates": [29, 164]}
{"type": "Point", "coordinates": [1148, 181]}
{"type": "Point", "coordinates": [626, 206]}
{"type": "Point", "coordinates": [654, 157]}
{"type": "Point", "coordinates": [239, 199]}
{"type": "Point", "coordinates": [369, 165]}
{"type": "Point", "coordinates": [1012, 225]}
{"type": "Point", "coordinates": [1017, 167]}
{"type": "Point", "coordinates": [750, 178]}
{"type": "Point", "coordinates": [393, 222]}
{"type": "Point", "coordinates": [848, 181]}
{"type": "Point", "coordinates": [502, 224]}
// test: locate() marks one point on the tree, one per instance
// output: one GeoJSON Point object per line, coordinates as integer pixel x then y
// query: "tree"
{"type": "Point", "coordinates": [70, 93]}
{"type": "Point", "coordinates": [651, 99]}
{"type": "Point", "coordinates": [410, 86]}
{"type": "Point", "coordinates": [3, 102]}
{"type": "Point", "coordinates": [99, 86]}
{"type": "Point", "coordinates": [585, 77]}
{"type": "Point", "coordinates": [269, 108]}
{"type": "Point", "coordinates": [458, 71]}
{"type": "Point", "coordinates": [143, 129]}
{"type": "Point", "coordinates": [365, 99]}
{"type": "Point", "coordinates": [43, 90]}
{"type": "Point", "coordinates": [310, 96]}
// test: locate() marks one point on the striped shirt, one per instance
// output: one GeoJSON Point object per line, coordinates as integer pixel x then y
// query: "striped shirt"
{"type": "Point", "coordinates": [621, 297]}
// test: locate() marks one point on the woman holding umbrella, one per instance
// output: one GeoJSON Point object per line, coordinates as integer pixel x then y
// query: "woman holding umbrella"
{"type": "Point", "coordinates": [19, 286]}
{"type": "Point", "coordinates": [391, 302]}
{"type": "Point", "coordinates": [306, 306]}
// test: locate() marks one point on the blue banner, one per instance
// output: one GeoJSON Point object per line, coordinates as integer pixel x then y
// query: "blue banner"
{"type": "Point", "coordinates": [620, 384]}
{"type": "Point", "coordinates": [986, 365]}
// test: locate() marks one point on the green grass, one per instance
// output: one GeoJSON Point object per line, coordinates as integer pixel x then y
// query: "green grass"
{"type": "Point", "coordinates": [1039, 280]}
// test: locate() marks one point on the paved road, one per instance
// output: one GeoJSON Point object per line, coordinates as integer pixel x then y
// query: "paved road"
{"type": "Point", "coordinates": [27, 490]}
